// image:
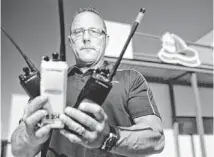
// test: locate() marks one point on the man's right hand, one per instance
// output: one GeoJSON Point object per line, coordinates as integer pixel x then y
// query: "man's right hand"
{"type": "Point", "coordinates": [33, 114]}
{"type": "Point", "coordinates": [26, 140]}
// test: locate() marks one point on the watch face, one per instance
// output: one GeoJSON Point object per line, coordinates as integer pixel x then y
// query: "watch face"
{"type": "Point", "coordinates": [111, 141]}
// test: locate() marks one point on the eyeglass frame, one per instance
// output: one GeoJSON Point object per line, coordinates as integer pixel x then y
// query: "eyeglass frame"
{"type": "Point", "coordinates": [83, 32]}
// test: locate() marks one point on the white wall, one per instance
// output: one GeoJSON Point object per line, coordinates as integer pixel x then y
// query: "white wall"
{"type": "Point", "coordinates": [185, 106]}
{"type": "Point", "coordinates": [185, 101]}
{"type": "Point", "coordinates": [162, 98]}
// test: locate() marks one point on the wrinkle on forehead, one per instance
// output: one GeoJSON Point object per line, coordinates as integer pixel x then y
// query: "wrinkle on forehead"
{"type": "Point", "coordinates": [87, 20]}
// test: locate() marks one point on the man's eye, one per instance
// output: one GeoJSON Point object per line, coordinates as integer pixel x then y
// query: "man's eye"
{"type": "Point", "coordinates": [77, 32]}
{"type": "Point", "coordinates": [95, 32]}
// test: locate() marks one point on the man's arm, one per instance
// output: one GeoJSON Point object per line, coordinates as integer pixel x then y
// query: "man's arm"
{"type": "Point", "coordinates": [21, 146]}
{"type": "Point", "coordinates": [144, 138]}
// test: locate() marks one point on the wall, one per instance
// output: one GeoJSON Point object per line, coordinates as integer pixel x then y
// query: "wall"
{"type": "Point", "coordinates": [184, 101]}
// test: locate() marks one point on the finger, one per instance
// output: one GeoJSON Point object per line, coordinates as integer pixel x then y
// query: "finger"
{"type": "Point", "coordinates": [34, 105]}
{"type": "Point", "coordinates": [74, 138]}
{"type": "Point", "coordinates": [72, 125]}
{"type": "Point", "coordinates": [91, 107]}
{"type": "Point", "coordinates": [77, 129]}
{"type": "Point", "coordinates": [33, 119]}
{"type": "Point", "coordinates": [43, 131]}
{"type": "Point", "coordinates": [81, 117]}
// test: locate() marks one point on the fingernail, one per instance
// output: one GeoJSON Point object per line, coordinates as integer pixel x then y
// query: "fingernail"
{"type": "Point", "coordinates": [67, 110]}
{"type": "Point", "coordinates": [45, 112]}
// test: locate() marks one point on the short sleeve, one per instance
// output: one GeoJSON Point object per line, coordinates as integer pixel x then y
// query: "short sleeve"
{"type": "Point", "coordinates": [140, 100]}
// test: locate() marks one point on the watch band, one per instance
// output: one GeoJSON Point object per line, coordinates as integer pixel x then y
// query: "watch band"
{"type": "Point", "coordinates": [111, 139]}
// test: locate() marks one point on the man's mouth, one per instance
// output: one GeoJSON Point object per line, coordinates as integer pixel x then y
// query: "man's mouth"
{"type": "Point", "coordinates": [87, 48]}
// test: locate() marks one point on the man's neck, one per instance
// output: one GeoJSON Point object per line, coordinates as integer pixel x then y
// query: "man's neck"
{"type": "Point", "coordinates": [86, 68]}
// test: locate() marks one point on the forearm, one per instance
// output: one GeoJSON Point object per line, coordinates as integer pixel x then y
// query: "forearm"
{"type": "Point", "coordinates": [139, 140]}
{"type": "Point", "coordinates": [21, 146]}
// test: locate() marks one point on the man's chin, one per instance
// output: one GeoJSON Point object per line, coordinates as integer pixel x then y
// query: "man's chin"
{"type": "Point", "coordinates": [87, 63]}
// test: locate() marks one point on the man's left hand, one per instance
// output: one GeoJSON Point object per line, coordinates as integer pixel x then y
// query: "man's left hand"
{"type": "Point", "coordinates": [90, 131]}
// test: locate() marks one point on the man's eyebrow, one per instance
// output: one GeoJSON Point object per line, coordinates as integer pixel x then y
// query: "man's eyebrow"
{"type": "Point", "coordinates": [77, 29]}
{"type": "Point", "coordinates": [88, 28]}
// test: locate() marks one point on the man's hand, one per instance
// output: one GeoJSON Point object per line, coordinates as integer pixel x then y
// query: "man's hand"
{"type": "Point", "coordinates": [33, 114]}
{"type": "Point", "coordinates": [89, 131]}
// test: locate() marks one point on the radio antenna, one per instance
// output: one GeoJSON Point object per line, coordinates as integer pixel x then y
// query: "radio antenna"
{"type": "Point", "coordinates": [134, 27]}
{"type": "Point", "coordinates": [62, 31]}
{"type": "Point", "coordinates": [27, 60]}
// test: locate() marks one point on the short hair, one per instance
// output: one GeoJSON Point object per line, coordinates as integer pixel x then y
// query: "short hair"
{"type": "Point", "coordinates": [93, 10]}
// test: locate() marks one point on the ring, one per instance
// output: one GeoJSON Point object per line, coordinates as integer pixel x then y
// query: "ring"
{"type": "Point", "coordinates": [39, 125]}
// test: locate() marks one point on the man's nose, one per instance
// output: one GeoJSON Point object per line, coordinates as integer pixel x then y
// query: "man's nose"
{"type": "Point", "coordinates": [86, 36]}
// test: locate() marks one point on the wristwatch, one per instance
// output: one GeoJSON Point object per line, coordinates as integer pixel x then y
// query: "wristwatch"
{"type": "Point", "coordinates": [111, 140]}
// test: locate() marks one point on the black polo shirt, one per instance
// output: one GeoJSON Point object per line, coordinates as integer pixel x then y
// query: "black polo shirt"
{"type": "Point", "coordinates": [129, 98]}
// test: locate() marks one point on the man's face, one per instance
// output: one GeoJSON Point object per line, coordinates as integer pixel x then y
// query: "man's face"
{"type": "Point", "coordinates": [88, 38]}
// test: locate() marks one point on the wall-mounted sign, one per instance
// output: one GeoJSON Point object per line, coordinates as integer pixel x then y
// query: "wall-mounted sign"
{"type": "Point", "coordinates": [118, 33]}
{"type": "Point", "coordinates": [175, 51]}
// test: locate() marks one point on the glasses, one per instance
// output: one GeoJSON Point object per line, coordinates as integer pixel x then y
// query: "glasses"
{"type": "Point", "coordinates": [94, 32]}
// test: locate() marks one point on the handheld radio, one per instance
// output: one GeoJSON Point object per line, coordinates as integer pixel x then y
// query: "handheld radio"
{"type": "Point", "coordinates": [54, 79]}
{"type": "Point", "coordinates": [30, 80]}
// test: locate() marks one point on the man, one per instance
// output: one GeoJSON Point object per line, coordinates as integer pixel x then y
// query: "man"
{"type": "Point", "coordinates": [127, 123]}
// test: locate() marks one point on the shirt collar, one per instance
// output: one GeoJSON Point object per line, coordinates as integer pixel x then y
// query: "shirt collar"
{"type": "Point", "coordinates": [76, 70]}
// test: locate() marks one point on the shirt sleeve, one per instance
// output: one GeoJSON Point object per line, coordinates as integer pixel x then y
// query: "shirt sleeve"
{"type": "Point", "coordinates": [140, 100]}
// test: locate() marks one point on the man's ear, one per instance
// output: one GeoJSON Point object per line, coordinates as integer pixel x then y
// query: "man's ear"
{"type": "Point", "coordinates": [107, 40]}
{"type": "Point", "coordinates": [70, 40]}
